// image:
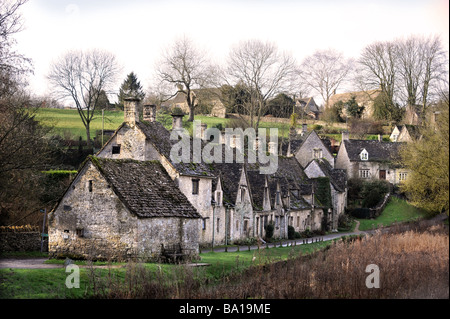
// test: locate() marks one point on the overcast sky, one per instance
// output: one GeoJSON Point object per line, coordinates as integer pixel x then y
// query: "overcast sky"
{"type": "Point", "coordinates": [136, 30]}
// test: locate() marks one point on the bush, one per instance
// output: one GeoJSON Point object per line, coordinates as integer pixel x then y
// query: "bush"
{"type": "Point", "coordinates": [363, 213]}
{"type": "Point", "coordinates": [306, 234]}
{"type": "Point", "coordinates": [372, 199]}
{"type": "Point", "coordinates": [344, 222]}
{"type": "Point", "coordinates": [360, 127]}
{"type": "Point", "coordinates": [291, 232]}
{"type": "Point", "coordinates": [269, 230]}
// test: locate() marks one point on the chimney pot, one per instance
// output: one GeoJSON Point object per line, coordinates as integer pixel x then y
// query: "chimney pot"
{"type": "Point", "coordinates": [345, 136]}
{"type": "Point", "coordinates": [177, 121]}
{"type": "Point", "coordinates": [149, 113]}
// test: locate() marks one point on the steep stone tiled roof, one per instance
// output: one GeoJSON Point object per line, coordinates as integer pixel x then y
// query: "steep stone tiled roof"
{"type": "Point", "coordinates": [361, 97]}
{"type": "Point", "coordinates": [338, 177]}
{"type": "Point", "coordinates": [291, 177]}
{"type": "Point", "coordinates": [145, 188]}
{"type": "Point", "coordinates": [378, 151]}
{"type": "Point", "coordinates": [159, 136]}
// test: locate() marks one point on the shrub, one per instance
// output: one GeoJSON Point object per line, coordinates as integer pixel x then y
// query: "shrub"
{"type": "Point", "coordinates": [363, 213]}
{"type": "Point", "coordinates": [372, 199]}
{"type": "Point", "coordinates": [291, 232]}
{"type": "Point", "coordinates": [269, 228]}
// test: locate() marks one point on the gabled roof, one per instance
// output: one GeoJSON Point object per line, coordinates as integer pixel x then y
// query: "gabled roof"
{"type": "Point", "coordinates": [378, 151]}
{"type": "Point", "coordinates": [308, 104]}
{"type": "Point", "coordinates": [361, 97]}
{"type": "Point", "coordinates": [159, 137]}
{"type": "Point", "coordinates": [145, 188]}
{"type": "Point", "coordinates": [413, 131]}
{"type": "Point", "coordinates": [338, 177]}
{"type": "Point", "coordinates": [298, 141]}
{"type": "Point", "coordinates": [291, 177]}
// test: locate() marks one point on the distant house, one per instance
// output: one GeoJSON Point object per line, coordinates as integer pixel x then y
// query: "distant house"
{"type": "Point", "coordinates": [363, 98]}
{"type": "Point", "coordinates": [310, 146]}
{"type": "Point", "coordinates": [409, 133]}
{"type": "Point", "coordinates": [338, 186]}
{"type": "Point", "coordinates": [122, 209]}
{"type": "Point", "coordinates": [413, 114]}
{"type": "Point", "coordinates": [371, 159]}
{"type": "Point", "coordinates": [308, 106]}
{"type": "Point", "coordinates": [209, 98]}
{"type": "Point", "coordinates": [395, 133]}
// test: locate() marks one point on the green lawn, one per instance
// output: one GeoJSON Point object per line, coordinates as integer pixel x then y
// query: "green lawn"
{"type": "Point", "coordinates": [397, 210]}
{"type": "Point", "coordinates": [50, 283]}
{"type": "Point", "coordinates": [68, 122]}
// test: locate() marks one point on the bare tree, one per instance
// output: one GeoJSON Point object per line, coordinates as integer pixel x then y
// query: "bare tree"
{"type": "Point", "coordinates": [378, 68]}
{"type": "Point", "coordinates": [82, 76]}
{"type": "Point", "coordinates": [13, 65]}
{"type": "Point", "coordinates": [185, 67]}
{"type": "Point", "coordinates": [435, 69]}
{"type": "Point", "coordinates": [263, 71]}
{"type": "Point", "coordinates": [407, 70]}
{"type": "Point", "coordinates": [325, 71]}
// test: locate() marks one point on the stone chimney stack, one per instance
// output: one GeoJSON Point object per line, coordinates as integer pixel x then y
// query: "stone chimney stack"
{"type": "Point", "coordinates": [304, 129]}
{"type": "Point", "coordinates": [149, 113]}
{"type": "Point", "coordinates": [345, 136]}
{"type": "Point", "coordinates": [130, 110]}
{"type": "Point", "coordinates": [177, 121]}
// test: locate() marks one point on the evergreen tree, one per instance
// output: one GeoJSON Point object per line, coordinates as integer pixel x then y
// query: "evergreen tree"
{"type": "Point", "coordinates": [353, 109]}
{"type": "Point", "coordinates": [130, 87]}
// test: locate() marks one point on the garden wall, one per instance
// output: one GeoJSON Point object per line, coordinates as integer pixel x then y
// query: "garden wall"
{"type": "Point", "coordinates": [20, 241]}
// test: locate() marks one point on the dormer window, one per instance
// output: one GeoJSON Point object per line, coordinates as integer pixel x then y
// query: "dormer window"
{"type": "Point", "coordinates": [364, 155]}
{"type": "Point", "coordinates": [317, 153]}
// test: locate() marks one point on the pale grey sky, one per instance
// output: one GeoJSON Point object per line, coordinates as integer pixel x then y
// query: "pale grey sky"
{"type": "Point", "coordinates": [137, 30]}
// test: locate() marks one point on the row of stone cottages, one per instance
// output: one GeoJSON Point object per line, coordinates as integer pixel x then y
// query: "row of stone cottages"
{"type": "Point", "coordinates": [131, 200]}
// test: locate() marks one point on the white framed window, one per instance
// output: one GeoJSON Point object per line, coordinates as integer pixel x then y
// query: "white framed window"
{"type": "Point", "coordinates": [402, 176]}
{"type": "Point", "coordinates": [317, 153]}
{"type": "Point", "coordinates": [364, 173]}
{"type": "Point", "coordinates": [364, 155]}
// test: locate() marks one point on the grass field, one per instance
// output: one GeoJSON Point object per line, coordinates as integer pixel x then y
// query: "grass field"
{"type": "Point", "coordinates": [67, 123]}
{"type": "Point", "coordinates": [397, 210]}
{"type": "Point", "coordinates": [50, 283]}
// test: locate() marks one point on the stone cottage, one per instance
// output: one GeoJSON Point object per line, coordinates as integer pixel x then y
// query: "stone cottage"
{"type": "Point", "coordinates": [363, 98]}
{"type": "Point", "coordinates": [338, 186]}
{"type": "Point", "coordinates": [308, 146]}
{"type": "Point", "coordinates": [409, 133]}
{"type": "Point", "coordinates": [308, 106]}
{"type": "Point", "coordinates": [209, 98]}
{"type": "Point", "coordinates": [122, 209]}
{"type": "Point", "coordinates": [233, 200]}
{"type": "Point", "coordinates": [368, 159]}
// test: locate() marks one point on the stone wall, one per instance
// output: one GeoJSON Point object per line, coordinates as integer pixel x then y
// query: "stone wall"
{"type": "Point", "coordinates": [20, 241]}
{"type": "Point", "coordinates": [91, 224]}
